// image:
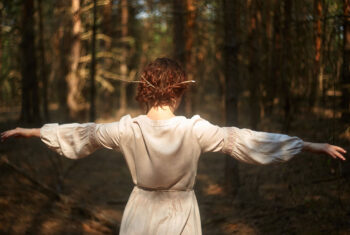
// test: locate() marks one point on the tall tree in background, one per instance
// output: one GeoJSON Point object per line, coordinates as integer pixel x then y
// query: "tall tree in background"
{"type": "Point", "coordinates": [43, 71]}
{"type": "Point", "coordinates": [61, 43]}
{"type": "Point", "coordinates": [184, 14]}
{"type": "Point", "coordinates": [30, 110]}
{"type": "Point", "coordinates": [316, 87]}
{"type": "Point", "coordinates": [254, 39]}
{"type": "Point", "coordinates": [107, 23]}
{"type": "Point", "coordinates": [72, 77]}
{"type": "Point", "coordinates": [189, 59]}
{"type": "Point", "coordinates": [1, 9]}
{"type": "Point", "coordinates": [286, 63]}
{"type": "Point", "coordinates": [93, 64]}
{"type": "Point", "coordinates": [231, 48]}
{"type": "Point", "coordinates": [124, 55]}
{"type": "Point", "coordinates": [346, 63]}
{"type": "Point", "coordinates": [276, 55]}
{"type": "Point", "coordinates": [178, 30]}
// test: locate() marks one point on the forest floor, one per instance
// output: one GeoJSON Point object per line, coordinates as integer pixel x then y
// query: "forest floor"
{"type": "Point", "coordinates": [43, 193]}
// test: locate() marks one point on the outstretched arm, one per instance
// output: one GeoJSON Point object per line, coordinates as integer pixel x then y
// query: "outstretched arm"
{"type": "Point", "coordinates": [331, 150]}
{"type": "Point", "coordinates": [72, 140]}
{"type": "Point", "coordinates": [20, 132]}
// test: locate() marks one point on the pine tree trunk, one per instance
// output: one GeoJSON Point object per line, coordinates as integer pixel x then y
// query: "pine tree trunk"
{"type": "Point", "coordinates": [123, 62]}
{"type": "Point", "coordinates": [30, 111]}
{"type": "Point", "coordinates": [178, 30]}
{"type": "Point", "coordinates": [189, 67]}
{"type": "Point", "coordinates": [286, 67]}
{"type": "Point", "coordinates": [254, 68]}
{"type": "Point", "coordinates": [346, 64]}
{"type": "Point", "coordinates": [72, 77]}
{"type": "Point", "coordinates": [43, 71]}
{"type": "Point", "coordinates": [232, 85]}
{"type": "Point", "coordinates": [316, 87]}
{"type": "Point", "coordinates": [93, 65]}
{"type": "Point", "coordinates": [276, 55]}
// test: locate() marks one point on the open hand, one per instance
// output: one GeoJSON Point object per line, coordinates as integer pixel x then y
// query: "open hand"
{"type": "Point", "coordinates": [331, 150]}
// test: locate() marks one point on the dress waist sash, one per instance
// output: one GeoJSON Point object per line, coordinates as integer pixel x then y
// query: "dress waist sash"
{"type": "Point", "coordinates": [163, 190]}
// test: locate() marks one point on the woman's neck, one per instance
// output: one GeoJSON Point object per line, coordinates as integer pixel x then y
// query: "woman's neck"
{"type": "Point", "coordinates": [161, 113]}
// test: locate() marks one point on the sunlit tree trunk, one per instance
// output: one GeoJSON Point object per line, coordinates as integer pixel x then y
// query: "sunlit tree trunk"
{"type": "Point", "coordinates": [61, 42]}
{"type": "Point", "coordinates": [107, 23]}
{"type": "Point", "coordinates": [72, 77]}
{"type": "Point", "coordinates": [30, 111]}
{"type": "Point", "coordinates": [232, 85]}
{"type": "Point", "coordinates": [123, 62]}
{"type": "Point", "coordinates": [93, 64]}
{"type": "Point", "coordinates": [43, 71]}
{"type": "Point", "coordinates": [346, 63]}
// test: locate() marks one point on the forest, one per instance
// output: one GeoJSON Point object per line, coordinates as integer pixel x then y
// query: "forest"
{"type": "Point", "coordinates": [280, 66]}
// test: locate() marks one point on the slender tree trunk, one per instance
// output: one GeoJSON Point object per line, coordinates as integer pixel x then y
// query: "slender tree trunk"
{"type": "Point", "coordinates": [43, 71]}
{"type": "Point", "coordinates": [232, 85]}
{"type": "Point", "coordinates": [72, 77]}
{"type": "Point", "coordinates": [179, 39]}
{"type": "Point", "coordinates": [316, 87]}
{"type": "Point", "coordinates": [276, 55]}
{"type": "Point", "coordinates": [61, 43]}
{"type": "Point", "coordinates": [270, 82]}
{"type": "Point", "coordinates": [254, 68]}
{"type": "Point", "coordinates": [1, 9]}
{"type": "Point", "coordinates": [189, 60]}
{"type": "Point", "coordinates": [93, 65]}
{"type": "Point", "coordinates": [286, 58]}
{"type": "Point", "coordinates": [107, 23]}
{"type": "Point", "coordinates": [30, 111]}
{"type": "Point", "coordinates": [346, 63]}
{"type": "Point", "coordinates": [123, 62]}
{"type": "Point", "coordinates": [179, 32]}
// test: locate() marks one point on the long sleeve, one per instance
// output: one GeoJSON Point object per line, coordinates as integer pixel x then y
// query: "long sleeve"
{"type": "Point", "coordinates": [79, 140]}
{"type": "Point", "coordinates": [246, 145]}
{"type": "Point", "coordinates": [260, 147]}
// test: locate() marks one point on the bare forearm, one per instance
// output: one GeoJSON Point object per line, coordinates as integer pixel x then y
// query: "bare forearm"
{"type": "Point", "coordinates": [21, 132]}
{"type": "Point", "coordinates": [320, 148]}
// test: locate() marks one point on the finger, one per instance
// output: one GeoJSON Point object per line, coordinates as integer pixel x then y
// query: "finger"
{"type": "Point", "coordinates": [338, 155]}
{"type": "Point", "coordinates": [339, 149]}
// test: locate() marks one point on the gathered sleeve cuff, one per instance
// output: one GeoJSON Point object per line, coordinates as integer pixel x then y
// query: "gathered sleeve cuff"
{"type": "Point", "coordinates": [259, 147]}
{"type": "Point", "coordinates": [71, 140]}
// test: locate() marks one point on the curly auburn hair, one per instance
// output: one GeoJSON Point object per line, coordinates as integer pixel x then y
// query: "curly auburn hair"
{"type": "Point", "coordinates": [161, 83]}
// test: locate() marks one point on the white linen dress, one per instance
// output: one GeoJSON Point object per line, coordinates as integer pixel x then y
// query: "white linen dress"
{"type": "Point", "coordinates": [162, 157]}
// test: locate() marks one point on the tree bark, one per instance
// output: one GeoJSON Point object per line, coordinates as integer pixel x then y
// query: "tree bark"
{"type": "Point", "coordinates": [276, 56]}
{"type": "Point", "coordinates": [30, 110]}
{"type": "Point", "coordinates": [93, 64]}
{"type": "Point", "coordinates": [189, 39]}
{"type": "Point", "coordinates": [231, 48]}
{"type": "Point", "coordinates": [178, 31]}
{"type": "Point", "coordinates": [316, 87]}
{"type": "Point", "coordinates": [1, 9]}
{"type": "Point", "coordinates": [346, 63]}
{"type": "Point", "coordinates": [123, 62]}
{"type": "Point", "coordinates": [43, 71]}
{"type": "Point", "coordinates": [254, 68]}
{"type": "Point", "coordinates": [286, 67]}
{"type": "Point", "coordinates": [72, 78]}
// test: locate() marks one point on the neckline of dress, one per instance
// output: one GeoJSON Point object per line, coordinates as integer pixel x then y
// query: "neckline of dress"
{"type": "Point", "coordinates": [161, 122]}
